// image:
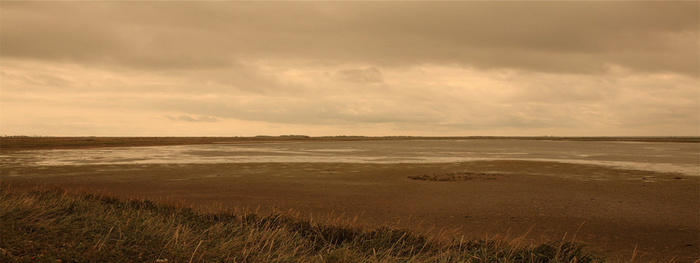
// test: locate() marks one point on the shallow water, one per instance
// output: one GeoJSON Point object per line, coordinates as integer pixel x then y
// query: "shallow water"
{"type": "Point", "coordinates": [682, 158]}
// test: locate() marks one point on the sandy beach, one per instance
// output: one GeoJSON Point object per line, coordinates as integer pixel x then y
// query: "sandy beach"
{"type": "Point", "coordinates": [622, 214]}
{"type": "Point", "coordinates": [656, 214]}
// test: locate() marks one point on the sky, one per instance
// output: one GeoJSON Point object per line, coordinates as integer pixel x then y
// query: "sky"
{"type": "Point", "coordinates": [319, 68]}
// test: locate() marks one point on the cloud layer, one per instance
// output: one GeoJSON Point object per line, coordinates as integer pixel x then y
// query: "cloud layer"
{"type": "Point", "coordinates": [371, 68]}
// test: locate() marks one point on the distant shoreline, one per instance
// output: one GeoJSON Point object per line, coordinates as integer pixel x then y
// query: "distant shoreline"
{"type": "Point", "coordinates": [15, 143]}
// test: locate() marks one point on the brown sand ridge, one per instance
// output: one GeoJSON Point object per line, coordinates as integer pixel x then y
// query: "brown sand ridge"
{"type": "Point", "coordinates": [612, 211]}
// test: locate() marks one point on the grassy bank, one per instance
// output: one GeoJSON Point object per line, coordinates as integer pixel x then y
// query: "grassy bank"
{"type": "Point", "coordinates": [54, 225]}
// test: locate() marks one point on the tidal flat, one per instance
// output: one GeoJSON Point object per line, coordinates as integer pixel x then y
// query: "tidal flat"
{"type": "Point", "coordinates": [621, 199]}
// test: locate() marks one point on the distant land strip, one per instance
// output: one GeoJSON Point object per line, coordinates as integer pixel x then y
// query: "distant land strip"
{"type": "Point", "coordinates": [12, 143]}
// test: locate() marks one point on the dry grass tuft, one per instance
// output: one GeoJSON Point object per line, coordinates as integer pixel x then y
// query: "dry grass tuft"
{"type": "Point", "coordinates": [54, 225]}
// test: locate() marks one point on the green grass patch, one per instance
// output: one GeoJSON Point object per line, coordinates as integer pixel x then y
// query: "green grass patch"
{"type": "Point", "coordinates": [55, 225]}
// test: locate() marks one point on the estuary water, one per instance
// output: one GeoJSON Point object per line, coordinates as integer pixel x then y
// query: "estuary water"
{"type": "Point", "coordinates": [681, 158]}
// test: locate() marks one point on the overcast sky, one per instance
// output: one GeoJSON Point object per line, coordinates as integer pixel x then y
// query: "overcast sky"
{"type": "Point", "coordinates": [350, 68]}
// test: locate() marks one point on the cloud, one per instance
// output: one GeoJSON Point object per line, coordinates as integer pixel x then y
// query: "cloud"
{"type": "Point", "coordinates": [360, 75]}
{"type": "Point", "coordinates": [193, 119]}
{"type": "Point", "coordinates": [574, 37]}
{"type": "Point", "coordinates": [452, 100]}
{"type": "Point", "coordinates": [377, 68]}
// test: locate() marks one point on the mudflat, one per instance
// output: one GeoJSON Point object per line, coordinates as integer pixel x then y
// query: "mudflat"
{"type": "Point", "coordinates": [620, 214]}
{"type": "Point", "coordinates": [30, 143]}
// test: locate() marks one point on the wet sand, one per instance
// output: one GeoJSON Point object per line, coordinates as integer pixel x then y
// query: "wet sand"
{"type": "Point", "coordinates": [612, 211]}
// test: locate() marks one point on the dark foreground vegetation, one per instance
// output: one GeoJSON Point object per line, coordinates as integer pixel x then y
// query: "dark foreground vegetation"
{"type": "Point", "coordinates": [39, 225]}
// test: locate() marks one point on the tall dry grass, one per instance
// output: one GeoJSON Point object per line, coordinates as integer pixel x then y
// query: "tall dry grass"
{"type": "Point", "coordinates": [42, 225]}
